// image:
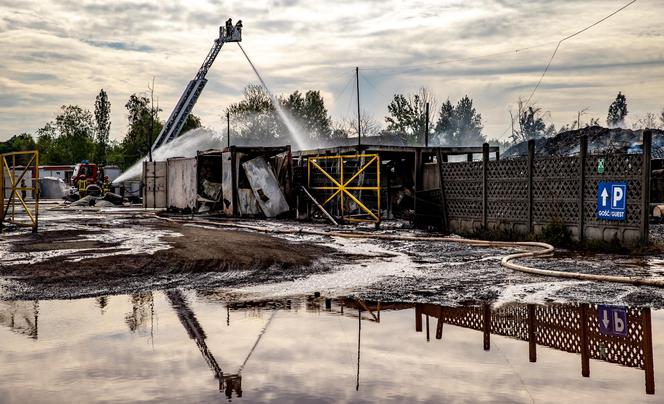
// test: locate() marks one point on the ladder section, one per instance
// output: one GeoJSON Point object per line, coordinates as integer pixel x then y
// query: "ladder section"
{"type": "Point", "coordinates": [185, 104]}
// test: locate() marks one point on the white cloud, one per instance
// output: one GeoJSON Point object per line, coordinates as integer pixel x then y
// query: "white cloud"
{"type": "Point", "coordinates": [63, 52]}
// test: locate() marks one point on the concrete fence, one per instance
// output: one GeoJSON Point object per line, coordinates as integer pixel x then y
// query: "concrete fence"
{"type": "Point", "coordinates": [524, 195]}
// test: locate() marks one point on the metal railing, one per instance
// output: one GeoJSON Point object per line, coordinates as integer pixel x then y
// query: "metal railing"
{"type": "Point", "coordinates": [348, 186]}
{"type": "Point", "coordinates": [16, 208]}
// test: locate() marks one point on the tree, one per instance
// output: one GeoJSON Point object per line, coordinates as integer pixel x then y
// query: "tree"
{"type": "Point", "coordinates": [69, 139]}
{"type": "Point", "coordinates": [102, 126]}
{"type": "Point", "coordinates": [647, 121]}
{"type": "Point", "coordinates": [192, 122]}
{"type": "Point", "coordinates": [529, 123]}
{"type": "Point", "coordinates": [140, 132]}
{"type": "Point", "coordinates": [617, 111]}
{"type": "Point", "coordinates": [459, 125]}
{"type": "Point", "coordinates": [22, 142]}
{"type": "Point", "coordinates": [369, 126]}
{"type": "Point", "coordinates": [311, 114]}
{"type": "Point", "coordinates": [407, 115]}
{"type": "Point", "coordinates": [255, 117]}
{"type": "Point", "coordinates": [661, 118]}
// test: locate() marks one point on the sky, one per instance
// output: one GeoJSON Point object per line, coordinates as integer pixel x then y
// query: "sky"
{"type": "Point", "coordinates": [63, 52]}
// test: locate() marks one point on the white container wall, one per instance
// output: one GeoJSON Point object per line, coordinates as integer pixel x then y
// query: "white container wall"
{"type": "Point", "coordinates": [154, 178]}
{"type": "Point", "coordinates": [182, 189]}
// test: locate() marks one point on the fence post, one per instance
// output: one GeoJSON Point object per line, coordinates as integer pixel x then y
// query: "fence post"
{"type": "Point", "coordinates": [647, 351]}
{"type": "Point", "coordinates": [532, 333]}
{"type": "Point", "coordinates": [486, 326]}
{"type": "Point", "coordinates": [531, 164]}
{"type": "Point", "coordinates": [585, 343]}
{"type": "Point", "coordinates": [645, 186]}
{"type": "Point", "coordinates": [2, 191]}
{"type": "Point", "coordinates": [485, 185]}
{"type": "Point", "coordinates": [583, 153]}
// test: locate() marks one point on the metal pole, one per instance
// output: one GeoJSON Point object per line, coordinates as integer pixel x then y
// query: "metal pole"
{"type": "Point", "coordinates": [426, 127]}
{"type": "Point", "coordinates": [228, 128]}
{"type": "Point", "coordinates": [645, 185]}
{"type": "Point", "coordinates": [151, 121]}
{"type": "Point", "coordinates": [357, 84]}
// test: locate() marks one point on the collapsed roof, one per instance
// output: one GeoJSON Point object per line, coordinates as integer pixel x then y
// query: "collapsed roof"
{"type": "Point", "coordinates": [600, 140]}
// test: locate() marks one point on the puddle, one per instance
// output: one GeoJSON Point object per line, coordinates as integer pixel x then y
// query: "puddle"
{"type": "Point", "coordinates": [111, 241]}
{"type": "Point", "coordinates": [179, 346]}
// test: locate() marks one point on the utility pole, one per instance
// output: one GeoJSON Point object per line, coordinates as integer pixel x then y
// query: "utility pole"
{"type": "Point", "coordinates": [357, 83]}
{"type": "Point", "coordinates": [426, 126]}
{"type": "Point", "coordinates": [228, 128]}
{"type": "Point", "coordinates": [151, 121]}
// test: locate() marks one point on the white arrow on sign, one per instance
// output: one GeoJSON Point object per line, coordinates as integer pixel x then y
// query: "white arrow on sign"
{"type": "Point", "coordinates": [604, 196]}
{"type": "Point", "coordinates": [605, 320]}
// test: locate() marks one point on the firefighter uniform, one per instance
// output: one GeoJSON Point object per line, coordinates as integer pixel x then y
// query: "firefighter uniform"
{"type": "Point", "coordinates": [106, 186]}
{"type": "Point", "coordinates": [82, 186]}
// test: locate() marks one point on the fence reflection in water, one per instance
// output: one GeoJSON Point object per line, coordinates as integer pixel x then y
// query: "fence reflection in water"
{"type": "Point", "coordinates": [569, 328]}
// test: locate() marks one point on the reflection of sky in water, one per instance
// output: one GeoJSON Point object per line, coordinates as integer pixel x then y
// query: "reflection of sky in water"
{"type": "Point", "coordinates": [135, 348]}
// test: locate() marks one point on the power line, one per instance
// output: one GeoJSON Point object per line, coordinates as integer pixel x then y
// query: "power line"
{"type": "Point", "coordinates": [373, 86]}
{"type": "Point", "coordinates": [546, 69]}
{"type": "Point", "coordinates": [447, 61]}
{"type": "Point", "coordinates": [338, 98]}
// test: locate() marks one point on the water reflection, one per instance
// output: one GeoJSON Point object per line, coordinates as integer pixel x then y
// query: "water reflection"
{"type": "Point", "coordinates": [292, 348]}
{"type": "Point", "coordinates": [227, 383]}
{"type": "Point", "coordinates": [569, 328]}
{"type": "Point", "coordinates": [22, 317]}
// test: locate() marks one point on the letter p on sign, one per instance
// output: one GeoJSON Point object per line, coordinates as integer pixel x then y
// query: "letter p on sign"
{"type": "Point", "coordinates": [618, 197]}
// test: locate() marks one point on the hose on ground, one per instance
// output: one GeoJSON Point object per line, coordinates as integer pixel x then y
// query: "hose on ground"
{"type": "Point", "coordinates": [541, 249]}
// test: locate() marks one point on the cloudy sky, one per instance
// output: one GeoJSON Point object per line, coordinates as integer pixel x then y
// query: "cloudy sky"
{"type": "Point", "coordinates": [64, 51]}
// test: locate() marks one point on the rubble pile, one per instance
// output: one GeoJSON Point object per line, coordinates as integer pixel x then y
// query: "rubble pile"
{"type": "Point", "coordinates": [600, 140]}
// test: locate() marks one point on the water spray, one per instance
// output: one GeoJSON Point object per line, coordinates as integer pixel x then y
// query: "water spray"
{"type": "Point", "coordinates": [292, 127]}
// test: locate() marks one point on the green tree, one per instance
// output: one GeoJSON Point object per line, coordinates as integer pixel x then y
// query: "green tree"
{"type": "Point", "coordinates": [141, 132]}
{"type": "Point", "coordinates": [310, 112]}
{"type": "Point", "coordinates": [407, 116]}
{"type": "Point", "coordinates": [69, 139]}
{"type": "Point", "coordinates": [459, 125]}
{"type": "Point", "coordinates": [22, 142]}
{"type": "Point", "coordinates": [529, 123]}
{"type": "Point", "coordinates": [115, 154]}
{"type": "Point", "coordinates": [617, 111]}
{"type": "Point", "coordinates": [254, 117]}
{"type": "Point", "coordinates": [102, 126]}
{"type": "Point", "coordinates": [192, 122]}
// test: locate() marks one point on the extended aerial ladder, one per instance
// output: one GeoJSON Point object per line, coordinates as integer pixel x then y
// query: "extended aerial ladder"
{"type": "Point", "coordinates": [183, 108]}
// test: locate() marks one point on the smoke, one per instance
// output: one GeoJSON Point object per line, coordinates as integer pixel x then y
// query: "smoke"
{"type": "Point", "coordinates": [186, 145]}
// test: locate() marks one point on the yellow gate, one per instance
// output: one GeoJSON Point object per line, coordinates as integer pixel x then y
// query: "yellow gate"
{"type": "Point", "coordinates": [347, 186]}
{"type": "Point", "coordinates": [16, 205]}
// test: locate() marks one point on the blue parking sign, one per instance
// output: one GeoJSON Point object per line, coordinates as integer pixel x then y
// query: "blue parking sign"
{"type": "Point", "coordinates": [612, 320]}
{"type": "Point", "coordinates": [612, 200]}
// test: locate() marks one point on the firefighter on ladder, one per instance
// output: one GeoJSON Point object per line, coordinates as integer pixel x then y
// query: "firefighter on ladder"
{"type": "Point", "coordinates": [82, 186]}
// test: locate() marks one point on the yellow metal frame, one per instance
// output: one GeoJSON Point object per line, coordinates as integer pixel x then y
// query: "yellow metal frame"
{"type": "Point", "coordinates": [9, 208]}
{"type": "Point", "coordinates": [341, 187]}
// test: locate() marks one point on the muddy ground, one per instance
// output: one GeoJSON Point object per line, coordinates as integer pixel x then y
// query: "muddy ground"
{"type": "Point", "coordinates": [94, 252]}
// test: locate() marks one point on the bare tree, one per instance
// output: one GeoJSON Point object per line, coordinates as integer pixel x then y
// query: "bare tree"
{"type": "Point", "coordinates": [368, 125]}
{"type": "Point", "coordinates": [647, 121]}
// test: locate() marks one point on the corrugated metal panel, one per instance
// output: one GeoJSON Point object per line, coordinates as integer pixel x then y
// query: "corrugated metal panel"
{"type": "Point", "coordinates": [182, 190]}
{"type": "Point", "coordinates": [265, 187]}
{"type": "Point", "coordinates": [227, 184]}
{"type": "Point", "coordinates": [154, 178]}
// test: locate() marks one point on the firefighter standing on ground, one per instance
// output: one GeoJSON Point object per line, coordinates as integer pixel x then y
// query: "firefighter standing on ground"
{"type": "Point", "coordinates": [106, 186]}
{"type": "Point", "coordinates": [82, 185]}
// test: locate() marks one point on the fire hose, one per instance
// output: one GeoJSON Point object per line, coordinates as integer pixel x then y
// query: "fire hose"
{"type": "Point", "coordinates": [541, 250]}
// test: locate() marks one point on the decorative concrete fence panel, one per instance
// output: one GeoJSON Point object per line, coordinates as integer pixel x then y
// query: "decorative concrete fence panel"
{"type": "Point", "coordinates": [525, 195]}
